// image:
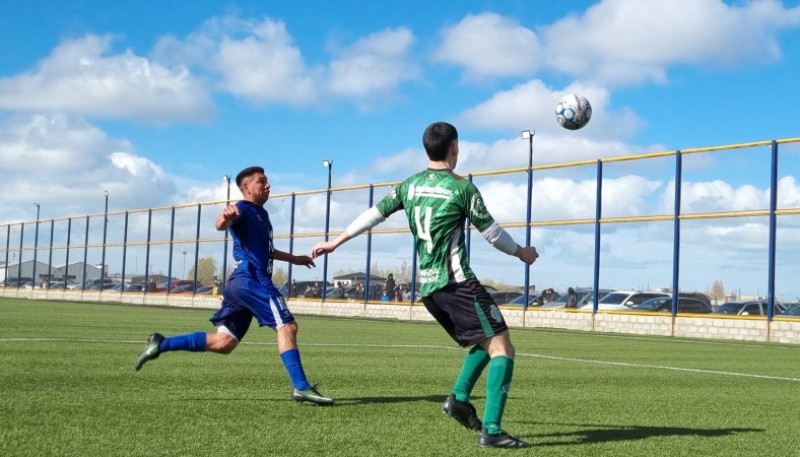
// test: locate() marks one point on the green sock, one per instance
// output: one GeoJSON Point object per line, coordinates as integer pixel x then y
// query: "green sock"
{"type": "Point", "coordinates": [474, 363]}
{"type": "Point", "coordinates": [498, 382]}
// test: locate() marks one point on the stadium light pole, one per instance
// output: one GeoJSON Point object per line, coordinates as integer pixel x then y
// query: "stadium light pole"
{"type": "Point", "coordinates": [105, 233]}
{"type": "Point", "coordinates": [35, 246]}
{"type": "Point", "coordinates": [528, 135]}
{"type": "Point", "coordinates": [329, 165]}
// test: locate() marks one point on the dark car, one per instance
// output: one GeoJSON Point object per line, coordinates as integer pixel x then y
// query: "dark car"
{"type": "Point", "coordinates": [792, 310]}
{"type": "Point", "coordinates": [501, 298]}
{"type": "Point", "coordinates": [664, 305]}
{"type": "Point", "coordinates": [582, 296]}
{"type": "Point", "coordinates": [747, 308]}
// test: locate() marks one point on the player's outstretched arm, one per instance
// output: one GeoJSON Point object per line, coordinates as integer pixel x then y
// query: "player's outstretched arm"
{"type": "Point", "coordinates": [360, 224]}
{"type": "Point", "coordinates": [303, 260]}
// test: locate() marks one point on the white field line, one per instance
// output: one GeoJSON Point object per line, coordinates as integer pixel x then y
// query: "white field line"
{"type": "Point", "coordinates": [449, 348]}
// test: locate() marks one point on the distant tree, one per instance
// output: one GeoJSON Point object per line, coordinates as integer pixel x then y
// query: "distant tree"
{"type": "Point", "coordinates": [206, 268]}
{"type": "Point", "coordinates": [279, 276]}
{"type": "Point", "coordinates": [717, 291]}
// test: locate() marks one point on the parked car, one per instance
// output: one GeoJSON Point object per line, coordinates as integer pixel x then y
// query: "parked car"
{"type": "Point", "coordinates": [534, 299]}
{"type": "Point", "coordinates": [747, 308]}
{"type": "Point", "coordinates": [16, 282]}
{"type": "Point", "coordinates": [583, 294]}
{"type": "Point", "coordinates": [624, 299]}
{"type": "Point", "coordinates": [501, 298]}
{"type": "Point", "coordinates": [792, 310]}
{"type": "Point", "coordinates": [664, 305]}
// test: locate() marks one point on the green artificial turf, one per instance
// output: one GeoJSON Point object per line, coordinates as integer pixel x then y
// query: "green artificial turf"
{"type": "Point", "coordinates": [68, 388]}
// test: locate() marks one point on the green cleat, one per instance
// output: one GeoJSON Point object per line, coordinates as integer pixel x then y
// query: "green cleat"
{"type": "Point", "coordinates": [151, 350]}
{"type": "Point", "coordinates": [311, 395]}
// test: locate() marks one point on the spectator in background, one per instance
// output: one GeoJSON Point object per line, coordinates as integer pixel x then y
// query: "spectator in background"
{"type": "Point", "coordinates": [572, 300]}
{"type": "Point", "coordinates": [389, 287]}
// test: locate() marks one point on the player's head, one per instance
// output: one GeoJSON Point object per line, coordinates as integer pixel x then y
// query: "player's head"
{"type": "Point", "coordinates": [246, 173]}
{"type": "Point", "coordinates": [254, 184]}
{"type": "Point", "coordinates": [438, 139]}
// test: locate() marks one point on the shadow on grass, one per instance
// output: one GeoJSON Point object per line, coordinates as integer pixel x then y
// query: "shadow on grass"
{"type": "Point", "coordinates": [378, 400]}
{"type": "Point", "coordinates": [593, 433]}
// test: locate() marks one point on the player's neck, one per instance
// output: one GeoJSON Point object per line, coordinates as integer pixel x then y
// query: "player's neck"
{"type": "Point", "coordinates": [439, 165]}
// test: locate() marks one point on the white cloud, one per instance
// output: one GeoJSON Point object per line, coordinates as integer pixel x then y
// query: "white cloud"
{"type": "Point", "coordinates": [531, 105]}
{"type": "Point", "coordinates": [375, 64]}
{"type": "Point", "coordinates": [65, 164]}
{"type": "Point", "coordinates": [83, 77]}
{"type": "Point", "coordinates": [631, 41]}
{"type": "Point", "coordinates": [490, 45]}
{"type": "Point", "coordinates": [265, 67]}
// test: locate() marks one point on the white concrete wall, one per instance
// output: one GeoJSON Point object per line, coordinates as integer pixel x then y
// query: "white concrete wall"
{"type": "Point", "coordinates": [750, 328]}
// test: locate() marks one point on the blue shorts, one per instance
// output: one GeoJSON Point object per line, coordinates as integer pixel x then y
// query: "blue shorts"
{"type": "Point", "coordinates": [244, 298]}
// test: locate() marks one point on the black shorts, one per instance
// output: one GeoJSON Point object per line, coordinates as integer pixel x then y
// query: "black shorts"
{"type": "Point", "coordinates": [466, 311]}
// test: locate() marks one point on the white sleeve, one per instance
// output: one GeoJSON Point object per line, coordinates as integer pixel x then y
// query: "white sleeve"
{"type": "Point", "coordinates": [365, 221]}
{"type": "Point", "coordinates": [499, 238]}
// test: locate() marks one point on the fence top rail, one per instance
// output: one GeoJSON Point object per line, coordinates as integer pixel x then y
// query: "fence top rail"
{"type": "Point", "coordinates": [642, 156]}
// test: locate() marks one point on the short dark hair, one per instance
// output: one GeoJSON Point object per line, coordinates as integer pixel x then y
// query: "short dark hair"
{"type": "Point", "coordinates": [247, 172]}
{"type": "Point", "coordinates": [437, 139]}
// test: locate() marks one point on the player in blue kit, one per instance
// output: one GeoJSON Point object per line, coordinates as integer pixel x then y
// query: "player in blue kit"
{"type": "Point", "coordinates": [249, 291]}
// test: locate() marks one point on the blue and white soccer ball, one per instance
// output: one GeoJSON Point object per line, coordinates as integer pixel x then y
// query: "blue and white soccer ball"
{"type": "Point", "coordinates": [573, 111]}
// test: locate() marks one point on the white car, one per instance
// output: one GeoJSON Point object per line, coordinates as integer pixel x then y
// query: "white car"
{"type": "Point", "coordinates": [623, 299]}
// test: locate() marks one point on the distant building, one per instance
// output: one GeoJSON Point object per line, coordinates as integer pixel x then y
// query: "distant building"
{"type": "Point", "coordinates": [349, 279]}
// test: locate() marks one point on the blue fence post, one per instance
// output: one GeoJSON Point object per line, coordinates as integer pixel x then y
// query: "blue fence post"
{"type": "Point", "coordinates": [147, 249]}
{"type": "Point", "coordinates": [50, 255]}
{"type": "Point", "coordinates": [19, 264]}
{"type": "Point", "coordinates": [598, 213]}
{"type": "Point", "coordinates": [66, 260]}
{"type": "Point", "coordinates": [85, 254]}
{"type": "Point", "coordinates": [8, 247]}
{"type": "Point", "coordinates": [289, 290]}
{"type": "Point", "coordinates": [196, 248]}
{"type": "Point", "coordinates": [469, 232]}
{"type": "Point", "coordinates": [369, 248]}
{"type": "Point", "coordinates": [171, 245]}
{"type": "Point", "coordinates": [125, 250]}
{"type": "Point", "coordinates": [676, 228]}
{"type": "Point", "coordinates": [773, 206]}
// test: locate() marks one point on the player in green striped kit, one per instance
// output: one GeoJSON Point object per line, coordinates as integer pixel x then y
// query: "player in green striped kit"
{"type": "Point", "coordinates": [437, 203]}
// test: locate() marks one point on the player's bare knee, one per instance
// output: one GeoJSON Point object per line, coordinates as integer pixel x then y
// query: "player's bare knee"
{"type": "Point", "coordinates": [221, 343]}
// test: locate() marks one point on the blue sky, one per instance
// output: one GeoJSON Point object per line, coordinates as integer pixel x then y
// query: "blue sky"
{"type": "Point", "coordinates": [155, 101]}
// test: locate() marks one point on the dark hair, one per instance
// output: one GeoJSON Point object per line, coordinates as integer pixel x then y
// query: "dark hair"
{"type": "Point", "coordinates": [246, 173]}
{"type": "Point", "coordinates": [437, 139]}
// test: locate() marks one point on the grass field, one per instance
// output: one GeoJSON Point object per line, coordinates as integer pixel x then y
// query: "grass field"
{"type": "Point", "coordinates": [68, 388]}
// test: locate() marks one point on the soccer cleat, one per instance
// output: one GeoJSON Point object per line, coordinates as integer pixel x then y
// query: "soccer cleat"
{"type": "Point", "coordinates": [151, 350]}
{"type": "Point", "coordinates": [311, 395]}
{"type": "Point", "coordinates": [502, 439]}
{"type": "Point", "coordinates": [462, 411]}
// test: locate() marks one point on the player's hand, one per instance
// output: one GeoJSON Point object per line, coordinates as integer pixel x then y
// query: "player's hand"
{"type": "Point", "coordinates": [527, 254]}
{"type": "Point", "coordinates": [231, 212]}
{"type": "Point", "coordinates": [322, 248]}
{"type": "Point", "coordinates": [304, 260]}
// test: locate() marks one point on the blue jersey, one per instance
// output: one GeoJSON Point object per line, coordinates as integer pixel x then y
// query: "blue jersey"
{"type": "Point", "coordinates": [252, 244]}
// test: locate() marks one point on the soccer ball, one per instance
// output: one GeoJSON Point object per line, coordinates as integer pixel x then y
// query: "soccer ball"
{"type": "Point", "coordinates": [573, 111]}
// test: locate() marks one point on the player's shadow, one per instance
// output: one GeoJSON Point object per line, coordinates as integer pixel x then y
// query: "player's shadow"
{"type": "Point", "coordinates": [383, 400]}
{"type": "Point", "coordinates": [594, 433]}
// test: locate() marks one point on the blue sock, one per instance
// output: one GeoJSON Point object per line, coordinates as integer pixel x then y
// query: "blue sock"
{"type": "Point", "coordinates": [291, 360]}
{"type": "Point", "coordinates": [195, 342]}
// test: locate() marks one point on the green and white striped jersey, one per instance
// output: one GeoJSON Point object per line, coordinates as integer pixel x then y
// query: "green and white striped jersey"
{"type": "Point", "coordinates": [437, 203]}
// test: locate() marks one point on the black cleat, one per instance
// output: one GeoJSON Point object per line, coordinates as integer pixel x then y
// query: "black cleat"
{"type": "Point", "coordinates": [462, 411]}
{"type": "Point", "coordinates": [151, 350]}
{"type": "Point", "coordinates": [502, 440]}
{"type": "Point", "coordinates": [311, 395]}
